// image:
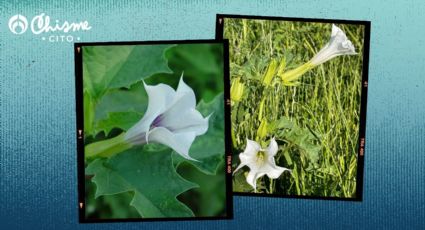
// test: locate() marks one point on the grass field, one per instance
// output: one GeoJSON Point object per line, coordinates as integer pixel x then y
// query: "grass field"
{"type": "Point", "coordinates": [316, 122]}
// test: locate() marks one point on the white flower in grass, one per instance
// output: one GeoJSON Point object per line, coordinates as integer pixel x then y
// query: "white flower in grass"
{"type": "Point", "coordinates": [260, 162]}
{"type": "Point", "coordinates": [337, 45]}
{"type": "Point", "coordinates": [170, 119]}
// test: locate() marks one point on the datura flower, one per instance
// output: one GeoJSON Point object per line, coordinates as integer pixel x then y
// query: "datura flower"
{"type": "Point", "coordinates": [260, 162]}
{"type": "Point", "coordinates": [170, 119]}
{"type": "Point", "coordinates": [337, 45]}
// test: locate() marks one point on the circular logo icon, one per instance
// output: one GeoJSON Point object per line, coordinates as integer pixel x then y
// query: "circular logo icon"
{"type": "Point", "coordinates": [18, 24]}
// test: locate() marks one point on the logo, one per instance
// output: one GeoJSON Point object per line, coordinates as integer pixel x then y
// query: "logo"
{"type": "Point", "coordinates": [49, 30]}
{"type": "Point", "coordinates": [18, 24]}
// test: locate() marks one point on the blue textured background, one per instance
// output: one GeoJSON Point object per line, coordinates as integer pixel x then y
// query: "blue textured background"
{"type": "Point", "coordinates": [38, 147]}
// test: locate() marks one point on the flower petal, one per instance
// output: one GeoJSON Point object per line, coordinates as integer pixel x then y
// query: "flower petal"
{"type": "Point", "coordinates": [337, 31]}
{"type": "Point", "coordinates": [272, 148]}
{"type": "Point", "coordinates": [246, 160]}
{"type": "Point", "coordinates": [181, 115]}
{"type": "Point", "coordinates": [252, 148]}
{"type": "Point", "coordinates": [159, 97]}
{"type": "Point", "coordinates": [342, 44]}
{"type": "Point", "coordinates": [185, 120]}
{"type": "Point", "coordinates": [179, 142]}
{"type": "Point", "coordinates": [272, 170]}
{"type": "Point", "coordinates": [248, 156]}
{"type": "Point", "coordinates": [184, 97]}
{"type": "Point", "coordinates": [338, 45]}
{"type": "Point", "coordinates": [184, 89]}
{"type": "Point", "coordinates": [252, 177]}
{"type": "Point", "coordinates": [239, 167]}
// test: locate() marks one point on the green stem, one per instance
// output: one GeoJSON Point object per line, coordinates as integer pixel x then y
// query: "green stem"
{"type": "Point", "coordinates": [107, 148]}
{"type": "Point", "coordinates": [271, 185]}
{"type": "Point", "coordinates": [234, 114]}
{"type": "Point", "coordinates": [294, 74]}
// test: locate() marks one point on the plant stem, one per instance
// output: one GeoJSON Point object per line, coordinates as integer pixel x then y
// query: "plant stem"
{"type": "Point", "coordinates": [271, 185]}
{"type": "Point", "coordinates": [294, 74]}
{"type": "Point", "coordinates": [107, 148]}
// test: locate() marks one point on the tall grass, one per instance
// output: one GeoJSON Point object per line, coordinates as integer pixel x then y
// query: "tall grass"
{"type": "Point", "coordinates": [326, 102]}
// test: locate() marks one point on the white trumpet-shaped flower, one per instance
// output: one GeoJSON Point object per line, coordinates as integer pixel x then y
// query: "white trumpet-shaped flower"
{"type": "Point", "coordinates": [170, 119]}
{"type": "Point", "coordinates": [337, 45]}
{"type": "Point", "coordinates": [260, 162]}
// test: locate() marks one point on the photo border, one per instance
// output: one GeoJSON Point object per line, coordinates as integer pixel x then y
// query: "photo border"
{"type": "Point", "coordinates": [219, 33]}
{"type": "Point", "coordinates": [80, 130]}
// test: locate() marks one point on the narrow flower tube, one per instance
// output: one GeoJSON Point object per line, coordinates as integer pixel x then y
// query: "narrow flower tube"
{"type": "Point", "coordinates": [107, 148]}
{"type": "Point", "coordinates": [260, 162]}
{"type": "Point", "coordinates": [337, 45]}
{"type": "Point", "coordinates": [293, 74]}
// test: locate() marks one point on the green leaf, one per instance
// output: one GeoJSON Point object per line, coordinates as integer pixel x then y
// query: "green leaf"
{"type": "Point", "coordinates": [121, 120]}
{"type": "Point", "coordinates": [200, 56]}
{"type": "Point", "coordinates": [99, 63]}
{"type": "Point", "coordinates": [240, 184]}
{"type": "Point", "coordinates": [287, 157]}
{"type": "Point", "coordinates": [109, 67]}
{"type": "Point", "coordinates": [209, 148]}
{"type": "Point", "coordinates": [134, 99]}
{"type": "Point", "coordinates": [149, 174]}
{"type": "Point", "coordinates": [88, 113]}
{"type": "Point", "coordinates": [119, 206]}
{"type": "Point", "coordinates": [214, 109]}
{"type": "Point", "coordinates": [202, 65]}
{"type": "Point", "coordinates": [210, 198]}
{"type": "Point", "coordinates": [283, 123]}
{"type": "Point", "coordinates": [120, 108]}
{"type": "Point", "coordinates": [303, 138]}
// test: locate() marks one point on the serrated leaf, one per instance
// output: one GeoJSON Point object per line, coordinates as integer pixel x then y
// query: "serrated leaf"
{"type": "Point", "coordinates": [121, 120]}
{"type": "Point", "coordinates": [209, 198]}
{"type": "Point", "coordinates": [202, 65]}
{"type": "Point", "coordinates": [303, 138]}
{"type": "Point", "coordinates": [120, 108]}
{"type": "Point", "coordinates": [109, 67]}
{"type": "Point", "coordinates": [119, 205]}
{"type": "Point", "coordinates": [283, 123]}
{"type": "Point", "coordinates": [134, 99]}
{"type": "Point", "coordinates": [106, 69]}
{"type": "Point", "coordinates": [150, 175]}
{"type": "Point", "coordinates": [240, 184]}
{"type": "Point", "coordinates": [208, 149]}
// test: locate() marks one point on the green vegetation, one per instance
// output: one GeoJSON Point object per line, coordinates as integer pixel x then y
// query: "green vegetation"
{"type": "Point", "coordinates": [315, 119]}
{"type": "Point", "coordinates": [151, 180]}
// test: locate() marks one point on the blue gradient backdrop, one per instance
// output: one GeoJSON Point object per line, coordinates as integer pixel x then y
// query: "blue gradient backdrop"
{"type": "Point", "coordinates": [38, 147]}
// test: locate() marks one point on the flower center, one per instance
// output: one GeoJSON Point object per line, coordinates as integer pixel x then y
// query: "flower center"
{"type": "Point", "coordinates": [156, 122]}
{"type": "Point", "coordinates": [261, 156]}
{"type": "Point", "coordinates": [159, 122]}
